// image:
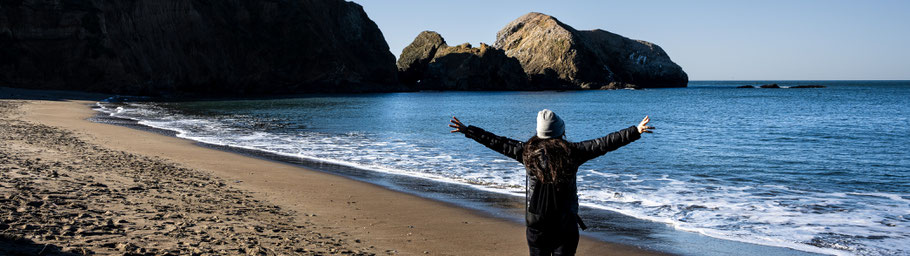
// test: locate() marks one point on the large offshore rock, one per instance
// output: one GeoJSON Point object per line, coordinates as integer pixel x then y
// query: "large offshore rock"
{"type": "Point", "coordinates": [414, 59]}
{"type": "Point", "coordinates": [429, 63]}
{"type": "Point", "coordinates": [556, 56]}
{"type": "Point", "coordinates": [193, 46]}
{"type": "Point", "coordinates": [467, 68]}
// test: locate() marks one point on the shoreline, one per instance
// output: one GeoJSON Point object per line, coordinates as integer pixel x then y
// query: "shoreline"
{"type": "Point", "coordinates": [389, 221]}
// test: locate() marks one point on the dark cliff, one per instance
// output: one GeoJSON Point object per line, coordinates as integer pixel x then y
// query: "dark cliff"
{"type": "Point", "coordinates": [202, 47]}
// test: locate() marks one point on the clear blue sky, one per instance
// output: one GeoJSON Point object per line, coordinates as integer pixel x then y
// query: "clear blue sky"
{"type": "Point", "coordinates": [711, 40]}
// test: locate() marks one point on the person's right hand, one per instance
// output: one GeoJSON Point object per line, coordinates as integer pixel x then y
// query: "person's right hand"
{"type": "Point", "coordinates": [643, 126]}
{"type": "Point", "coordinates": [459, 127]}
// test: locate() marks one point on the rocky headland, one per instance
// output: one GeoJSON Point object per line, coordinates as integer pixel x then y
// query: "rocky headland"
{"type": "Point", "coordinates": [228, 48]}
{"type": "Point", "coordinates": [196, 47]}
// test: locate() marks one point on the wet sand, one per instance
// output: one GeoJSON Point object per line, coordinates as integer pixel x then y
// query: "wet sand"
{"type": "Point", "coordinates": [110, 189]}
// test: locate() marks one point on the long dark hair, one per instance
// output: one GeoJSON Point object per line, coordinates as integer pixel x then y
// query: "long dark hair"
{"type": "Point", "coordinates": [548, 159]}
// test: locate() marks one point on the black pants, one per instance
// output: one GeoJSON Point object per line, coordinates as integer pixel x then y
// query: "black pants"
{"type": "Point", "coordinates": [562, 241]}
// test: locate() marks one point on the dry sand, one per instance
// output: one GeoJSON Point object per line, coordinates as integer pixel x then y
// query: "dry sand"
{"type": "Point", "coordinates": [71, 185]}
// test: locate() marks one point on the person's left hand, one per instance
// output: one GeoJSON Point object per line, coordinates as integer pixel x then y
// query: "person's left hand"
{"type": "Point", "coordinates": [643, 126]}
{"type": "Point", "coordinates": [459, 127]}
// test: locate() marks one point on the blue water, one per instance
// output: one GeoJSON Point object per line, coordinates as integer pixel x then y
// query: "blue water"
{"type": "Point", "coordinates": [823, 170]}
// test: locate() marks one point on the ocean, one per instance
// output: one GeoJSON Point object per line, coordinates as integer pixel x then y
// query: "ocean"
{"type": "Point", "coordinates": [821, 170]}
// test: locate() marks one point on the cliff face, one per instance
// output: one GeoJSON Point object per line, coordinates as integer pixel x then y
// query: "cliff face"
{"type": "Point", "coordinates": [193, 46]}
{"type": "Point", "coordinates": [556, 56]}
{"type": "Point", "coordinates": [429, 63]}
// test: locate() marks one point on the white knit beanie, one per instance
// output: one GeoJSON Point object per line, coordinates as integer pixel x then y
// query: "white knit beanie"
{"type": "Point", "coordinates": [549, 125]}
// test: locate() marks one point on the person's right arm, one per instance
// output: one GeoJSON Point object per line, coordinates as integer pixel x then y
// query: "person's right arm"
{"type": "Point", "coordinates": [506, 146]}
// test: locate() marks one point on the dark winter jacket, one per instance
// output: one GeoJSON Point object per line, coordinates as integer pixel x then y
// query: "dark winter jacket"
{"type": "Point", "coordinates": [581, 152]}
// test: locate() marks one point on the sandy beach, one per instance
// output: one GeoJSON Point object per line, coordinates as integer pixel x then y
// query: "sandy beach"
{"type": "Point", "coordinates": [69, 185]}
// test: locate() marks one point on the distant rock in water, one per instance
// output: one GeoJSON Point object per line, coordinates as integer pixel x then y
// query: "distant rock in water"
{"type": "Point", "coordinates": [429, 63]}
{"type": "Point", "coordinates": [807, 86]}
{"type": "Point", "coordinates": [556, 56]}
{"type": "Point", "coordinates": [770, 86]}
{"type": "Point", "coordinates": [746, 86]}
{"type": "Point", "coordinates": [197, 47]}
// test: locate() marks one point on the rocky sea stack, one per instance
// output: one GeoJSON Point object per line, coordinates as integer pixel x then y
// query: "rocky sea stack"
{"type": "Point", "coordinates": [556, 56]}
{"type": "Point", "coordinates": [201, 47]}
{"type": "Point", "coordinates": [429, 63]}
